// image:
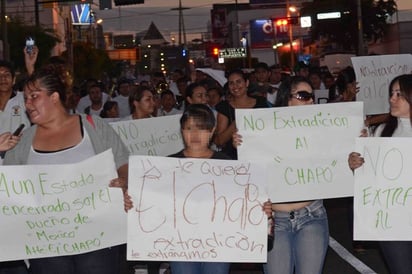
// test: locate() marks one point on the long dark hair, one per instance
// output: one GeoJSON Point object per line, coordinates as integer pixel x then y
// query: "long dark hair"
{"type": "Point", "coordinates": [405, 86]}
{"type": "Point", "coordinates": [204, 116]}
{"type": "Point", "coordinates": [285, 88]}
{"type": "Point", "coordinates": [53, 79]}
{"type": "Point", "coordinates": [107, 107]}
{"type": "Point", "coordinates": [137, 95]}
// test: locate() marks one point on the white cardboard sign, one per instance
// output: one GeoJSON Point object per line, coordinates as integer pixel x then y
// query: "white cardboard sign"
{"type": "Point", "coordinates": [383, 190]}
{"type": "Point", "coordinates": [156, 136]}
{"type": "Point", "coordinates": [374, 74]}
{"type": "Point", "coordinates": [57, 210]}
{"type": "Point", "coordinates": [196, 210]}
{"type": "Point", "coordinates": [306, 148]}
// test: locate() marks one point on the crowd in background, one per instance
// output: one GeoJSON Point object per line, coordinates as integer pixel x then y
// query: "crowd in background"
{"type": "Point", "coordinates": [49, 105]}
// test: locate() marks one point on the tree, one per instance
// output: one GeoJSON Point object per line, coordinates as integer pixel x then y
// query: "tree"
{"type": "Point", "coordinates": [89, 62]}
{"type": "Point", "coordinates": [344, 31]}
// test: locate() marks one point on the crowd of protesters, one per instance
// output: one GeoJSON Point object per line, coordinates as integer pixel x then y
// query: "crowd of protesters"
{"type": "Point", "coordinates": [57, 111]}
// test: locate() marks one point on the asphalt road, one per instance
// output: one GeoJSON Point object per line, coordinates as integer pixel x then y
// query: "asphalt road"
{"type": "Point", "coordinates": [368, 262]}
{"type": "Point", "coordinates": [345, 261]}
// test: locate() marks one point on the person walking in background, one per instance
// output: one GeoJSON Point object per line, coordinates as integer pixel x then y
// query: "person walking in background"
{"type": "Point", "coordinates": [96, 99]}
{"type": "Point", "coordinates": [239, 98]}
{"type": "Point", "coordinates": [167, 104]}
{"type": "Point", "coordinates": [122, 98]}
{"type": "Point", "coordinates": [141, 103]}
{"type": "Point", "coordinates": [110, 111]}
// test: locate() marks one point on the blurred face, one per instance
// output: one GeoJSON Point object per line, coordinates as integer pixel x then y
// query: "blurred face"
{"type": "Point", "coordinates": [157, 80]}
{"type": "Point", "coordinates": [176, 75]}
{"type": "Point", "coordinates": [95, 94]}
{"type": "Point", "coordinates": [124, 89]}
{"type": "Point", "coordinates": [38, 102]}
{"type": "Point", "coordinates": [199, 96]}
{"type": "Point", "coordinates": [181, 86]}
{"type": "Point", "coordinates": [350, 92]}
{"type": "Point", "coordinates": [214, 97]}
{"type": "Point", "coordinates": [301, 95]}
{"type": "Point", "coordinates": [146, 104]}
{"type": "Point", "coordinates": [113, 112]}
{"type": "Point", "coordinates": [315, 80]}
{"type": "Point", "coordinates": [399, 106]}
{"type": "Point", "coordinates": [194, 137]}
{"type": "Point", "coordinates": [304, 72]}
{"type": "Point", "coordinates": [275, 76]}
{"type": "Point", "coordinates": [237, 85]}
{"type": "Point", "coordinates": [168, 102]}
{"type": "Point", "coordinates": [200, 76]}
{"type": "Point", "coordinates": [329, 82]}
{"type": "Point", "coordinates": [6, 80]}
{"type": "Point", "coordinates": [262, 75]}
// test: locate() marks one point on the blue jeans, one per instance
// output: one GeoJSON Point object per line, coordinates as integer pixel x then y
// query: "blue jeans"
{"type": "Point", "coordinates": [398, 256]}
{"type": "Point", "coordinates": [301, 241]}
{"type": "Point", "coordinates": [104, 261]}
{"type": "Point", "coordinates": [199, 268]}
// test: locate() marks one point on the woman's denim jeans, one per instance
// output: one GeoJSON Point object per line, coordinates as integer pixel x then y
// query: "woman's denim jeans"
{"type": "Point", "coordinates": [199, 268]}
{"type": "Point", "coordinates": [301, 241]}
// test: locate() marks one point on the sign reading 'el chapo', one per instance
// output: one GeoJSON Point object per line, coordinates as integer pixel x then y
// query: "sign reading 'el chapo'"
{"type": "Point", "coordinates": [196, 210]}
{"type": "Point", "coordinates": [157, 136]}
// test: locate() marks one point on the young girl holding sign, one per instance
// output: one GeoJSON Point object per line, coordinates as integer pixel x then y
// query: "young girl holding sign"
{"type": "Point", "coordinates": [197, 126]}
{"type": "Point", "coordinates": [398, 254]}
{"type": "Point", "coordinates": [301, 228]}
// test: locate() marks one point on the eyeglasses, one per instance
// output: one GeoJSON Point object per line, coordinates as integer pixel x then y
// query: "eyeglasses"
{"type": "Point", "coordinates": [303, 95]}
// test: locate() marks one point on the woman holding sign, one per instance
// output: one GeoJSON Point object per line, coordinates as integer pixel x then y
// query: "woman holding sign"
{"type": "Point", "coordinates": [226, 126]}
{"type": "Point", "coordinates": [197, 125]}
{"type": "Point", "coordinates": [142, 104]}
{"type": "Point", "coordinates": [301, 228]}
{"type": "Point", "coordinates": [398, 254]}
{"type": "Point", "coordinates": [58, 137]}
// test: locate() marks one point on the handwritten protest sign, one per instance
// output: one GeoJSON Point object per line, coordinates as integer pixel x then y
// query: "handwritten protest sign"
{"type": "Point", "coordinates": [373, 74]}
{"type": "Point", "coordinates": [307, 148]}
{"type": "Point", "coordinates": [383, 190]}
{"type": "Point", "coordinates": [196, 210]}
{"type": "Point", "coordinates": [157, 136]}
{"type": "Point", "coordinates": [56, 210]}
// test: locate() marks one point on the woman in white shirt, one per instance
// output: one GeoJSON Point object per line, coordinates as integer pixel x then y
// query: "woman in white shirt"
{"type": "Point", "coordinates": [398, 254]}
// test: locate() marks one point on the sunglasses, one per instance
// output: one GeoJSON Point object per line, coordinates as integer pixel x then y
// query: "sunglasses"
{"type": "Point", "coordinates": [303, 95]}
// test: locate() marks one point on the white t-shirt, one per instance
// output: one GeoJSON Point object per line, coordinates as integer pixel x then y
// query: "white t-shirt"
{"type": "Point", "coordinates": [173, 111]}
{"type": "Point", "coordinates": [14, 114]}
{"type": "Point", "coordinates": [85, 102]}
{"type": "Point", "coordinates": [79, 152]}
{"type": "Point", "coordinates": [123, 104]}
{"type": "Point", "coordinates": [404, 129]}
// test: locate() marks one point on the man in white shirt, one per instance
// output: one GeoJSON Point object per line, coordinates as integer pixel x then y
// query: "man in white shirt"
{"type": "Point", "coordinates": [85, 100]}
{"type": "Point", "coordinates": [12, 114]}
{"type": "Point", "coordinates": [122, 99]}
{"type": "Point", "coordinates": [96, 98]}
{"type": "Point", "coordinates": [12, 109]}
